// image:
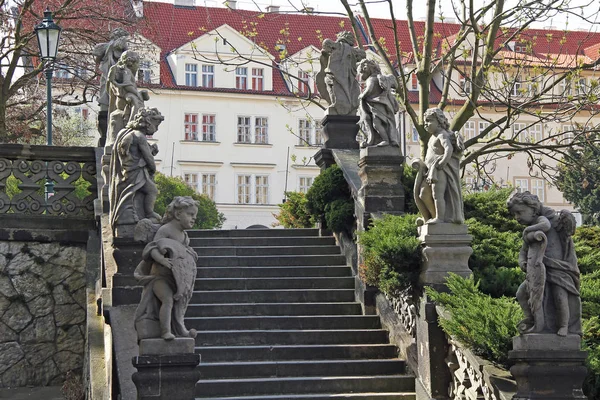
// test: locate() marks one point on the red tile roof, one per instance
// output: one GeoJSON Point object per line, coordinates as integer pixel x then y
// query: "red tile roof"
{"type": "Point", "coordinates": [171, 26]}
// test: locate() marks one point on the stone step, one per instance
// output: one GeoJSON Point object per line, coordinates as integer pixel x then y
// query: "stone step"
{"type": "Point", "coordinates": [274, 283]}
{"type": "Point", "coordinates": [195, 233]}
{"type": "Point", "coordinates": [284, 322]}
{"type": "Point", "coordinates": [270, 272]}
{"type": "Point", "coordinates": [297, 352]}
{"type": "Point", "coordinates": [273, 296]}
{"type": "Point", "coordinates": [262, 241]}
{"type": "Point", "coordinates": [272, 309]}
{"type": "Point", "coordinates": [301, 368]}
{"type": "Point", "coordinates": [303, 385]}
{"type": "Point", "coordinates": [289, 337]}
{"type": "Point", "coordinates": [270, 261]}
{"type": "Point", "coordinates": [326, 396]}
{"type": "Point", "coordinates": [266, 250]}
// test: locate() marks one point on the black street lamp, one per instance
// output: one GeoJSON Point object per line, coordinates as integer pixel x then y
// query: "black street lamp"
{"type": "Point", "coordinates": [48, 35]}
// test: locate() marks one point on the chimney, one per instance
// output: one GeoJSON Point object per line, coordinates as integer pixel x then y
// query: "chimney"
{"type": "Point", "coordinates": [273, 9]}
{"type": "Point", "coordinates": [230, 4]}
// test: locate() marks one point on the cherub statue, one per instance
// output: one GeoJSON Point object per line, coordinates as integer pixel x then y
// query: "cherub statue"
{"type": "Point", "coordinates": [168, 273]}
{"type": "Point", "coordinates": [549, 296]}
{"type": "Point", "coordinates": [438, 192]}
{"type": "Point", "coordinates": [378, 106]}
{"type": "Point", "coordinates": [336, 81]}
{"type": "Point", "coordinates": [125, 98]}
{"type": "Point", "coordinates": [132, 191]}
{"type": "Point", "coordinates": [106, 55]}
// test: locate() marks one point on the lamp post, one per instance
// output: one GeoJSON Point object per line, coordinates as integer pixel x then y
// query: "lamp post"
{"type": "Point", "coordinates": [48, 35]}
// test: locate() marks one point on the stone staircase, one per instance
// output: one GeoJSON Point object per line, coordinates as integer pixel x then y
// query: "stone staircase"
{"type": "Point", "coordinates": [277, 319]}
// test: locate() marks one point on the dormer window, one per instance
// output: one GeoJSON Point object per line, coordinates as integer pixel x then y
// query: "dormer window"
{"type": "Point", "coordinates": [303, 82]}
{"type": "Point", "coordinates": [208, 76]}
{"type": "Point", "coordinates": [257, 79]}
{"type": "Point", "coordinates": [241, 78]}
{"type": "Point", "coordinates": [144, 72]}
{"type": "Point", "coordinates": [465, 85]}
{"type": "Point", "coordinates": [520, 47]}
{"type": "Point", "coordinates": [191, 74]}
{"type": "Point", "coordinates": [412, 83]}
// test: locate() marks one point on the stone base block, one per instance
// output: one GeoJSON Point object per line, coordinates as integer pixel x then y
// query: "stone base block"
{"type": "Point", "coordinates": [548, 367]}
{"type": "Point", "coordinates": [339, 131]}
{"type": "Point", "coordinates": [166, 377]}
{"type": "Point", "coordinates": [446, 248]}
{"type": "Point", "coordinates": [324, 158]}
{"type": "Point", "coordinates": [161, 346]}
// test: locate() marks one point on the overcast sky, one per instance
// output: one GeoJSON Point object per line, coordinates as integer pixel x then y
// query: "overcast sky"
{"type": "Point", "coordinates": [380, 9]}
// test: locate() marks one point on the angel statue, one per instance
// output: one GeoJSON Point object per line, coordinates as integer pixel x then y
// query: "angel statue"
{"type": "Point", "coordinates": [168, 273]}
{"type": "Point", "coordinates": [438, 189]}
{"type": "Point", "coordinates": [549, 296]}
{"type": "Point", "coordinates": [378, 106]}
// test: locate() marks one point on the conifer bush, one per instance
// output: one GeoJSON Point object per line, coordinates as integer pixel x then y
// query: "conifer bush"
{"type": "Point", "coordinates": [293, 213]}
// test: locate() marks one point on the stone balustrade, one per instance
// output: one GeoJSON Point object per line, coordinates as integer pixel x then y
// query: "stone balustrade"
{"type": "Point", "coordinates": [71, 169]}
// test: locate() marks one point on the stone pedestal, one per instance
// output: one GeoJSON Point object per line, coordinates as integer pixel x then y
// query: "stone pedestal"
{"type": "Point", "coordinates": [339, 131]}
{"type": "Point", "coordinates": [548, 366]}
{"type": "Point", "coordinates": [381, 191]}
{"type": "Point", "coordinates": [446, 248]}
{"type": "Point", "coordinates": [127, 254]}
{"type": "Point", "coordinates": [166, 370]}
{"type": "Point", "coordinates": [106, 177]}
{"type": "Point", "coordinates": [102, 127]}
{"type": "Point", "coordinates": [324, 158]}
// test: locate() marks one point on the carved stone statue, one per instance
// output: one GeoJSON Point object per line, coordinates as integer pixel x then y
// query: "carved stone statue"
{"type": "Point", "coordinates": [378, 106]}
{"type": "Point", "coordinates": [106, 55]}
{"type": "Point", "coordinates": [438, 192]}
{"type": "Point", "coordinates": [125, 98]}
{"type": "Point", "coordinates": [549, 296]}
{"type": "Point", "coordinates": [132, 191]}
{"type": "Point", "coordinates": [168, 273]}
{"type": "Point", "coordinates": [336, 81]}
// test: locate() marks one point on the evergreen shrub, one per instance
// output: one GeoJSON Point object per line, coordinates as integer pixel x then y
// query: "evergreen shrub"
{"type": "Point", "coordinates": [484, 324]}
{"type": "Point", "coordinates": [587, 248]}
{"type": "Point", "coordinates": [591, 344]}
{"type": "Point", "coordinates": [489, 208]}
{"type": "Point", "coordinates": [168, 188]}
{"type": "Point", "coordinates": [293, 213]}
{"type": "Point", "coordinates": [391, 253]}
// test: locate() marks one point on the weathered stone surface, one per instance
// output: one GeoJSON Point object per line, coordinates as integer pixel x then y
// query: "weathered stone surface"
{"type": "Point", "coordinates": [29, 286]}
{"type": "Point", "coordinates": [70, 339]}
{"type": "Point", "coordinates": [53, 274]}
{"type": "Point", "coordinates": [17, 374]}
{"type": "Point", "coordinates": [17, 316]}
{"type": "Point", "coordinates": [7, 334]}
{"type": "Point", "coordinates": [37, 354]}
{"type": "Point", "coordinates": [62, 296]}
{"type": "Point", "coordinates": [41, 330]}
{"type": "Point", "coordinates": [46, 374]}
{"type": "Point", "coordinates": [75, 282]}
{"type": "Point", "coordinates": [4, 304]}
{"type": "Point", "coordinates": [10, 354]}
{"type": "Point", "coordinates": [161, 346]}
{"type": "Point", "coordinates": [68, 360]}
{"type": "Point", "coordinates": [6, 287]}
{"type": "Point", "coordinates": [68, 314]}
{"type": "Point", "coordinates": [41, 306]}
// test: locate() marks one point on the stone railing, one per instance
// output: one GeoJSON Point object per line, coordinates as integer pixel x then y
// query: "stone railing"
{"type": "Point", "coordinates": [29, 167]}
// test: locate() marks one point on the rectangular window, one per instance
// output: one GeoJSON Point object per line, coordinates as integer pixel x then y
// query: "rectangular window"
{"type": "Point", "coordinates": [209, 185]}
{"type": "Point", "coordinates": [261, 130]}
{"type": "Point", "coordinates": [519, 131]}
{"type": "Point", "coordinates": [465, 85]}
{"type": "Point", "coordinates": [517, 86]}
{"type": "Point", "coordinates": [190, 123]}
{"type": "Point", "coordinates": [304, 132]}
{"type": "Point", "coordinates": [303, 82]}
{"type": "Point", "coordinates": [318, 133]}
{"type": "Point", "coordinates": [565, 87]}
{"type": "Point", "coordinates": [257, 79]}
{"type": "Point", "coordinates": [304, 183]}
{"type": "Point", "coordinates": [61, 71]}
{"type": "Point", "coordinates": [415, 135]}
{"type": "Point", "coordinates": [483, 125]}
{"type": "Point", "coordinates": [241, 78]}
{"type": "Point", "coordinates": [191, 74]}
{"type": "Point", "coordinates": [244, 127]}
{"type": "Point", "coordinates": [208, 76]}
{"type": "Point", "coordinates": [581, 86]}
{"type": "Point", "coordinates": [261, 189]}
{"type": "Point", "coordinates": [144, 72]}
{"type": "Point", "coordinates": [468, 130]}
{"type": "Point", "coordinates": [536, 133]}
{"type": "Point", "coordinates": [567, 134]}
{"type": "Point", "coordinates": [191, 180]}
{"type": "Point", "coordinates": [413, 83]}
{"type": "Point", "coordinates": [244, 189]}
{"type": "Point", "coordinates": [209, 128]}
{"type": "Point", "coordinates": [522, 185]}
{"type": "Point", "coordinates": [537, 188]}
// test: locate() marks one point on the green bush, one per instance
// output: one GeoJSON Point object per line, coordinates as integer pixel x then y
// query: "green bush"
{"type": "Point", "coordinates": [408, 183]}
{"type": "Point", "coordinates": [489, 208]}
{"type": "Point", "coordinates": [391, 253]}
{"type": "Point", "coordinates": [587, 248]}
{"type": "Point", "coordinates": [494, 261]}
{"type": "Point", "coordinates": [321, 198]}
{"type": "Point", "coordinates": [168, 187]}
{"type": "Point", "coordinates": [293, 213]}
{"type": "Point", "coordinates": [590, 294]}
{"type": "Point", "coordinates": [591, 343]}
{"type": "Point", "coordinates": [484, 324]}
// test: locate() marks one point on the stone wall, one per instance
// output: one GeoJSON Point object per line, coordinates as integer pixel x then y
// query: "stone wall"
{"type": "Point", "coordinates": [42, 312]}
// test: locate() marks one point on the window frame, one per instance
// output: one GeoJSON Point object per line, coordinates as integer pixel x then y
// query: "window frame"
{"type": "Point", "coordinates": [191, 74]}
{"type": "Point", "coordinates": [207, 135]}
{"type": "Point", "coordinates": [208, 76]}
{"type": "Point", "coordinates": [258, 79]}
{"type": "Point", "coordinates": [257, 191]}
{"type": "Point", "coordinates": [189, 135]}
{"type": "Point", "coordinates": [241, 80]}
